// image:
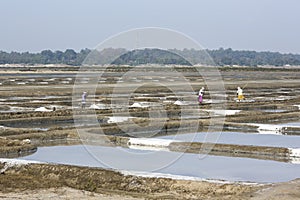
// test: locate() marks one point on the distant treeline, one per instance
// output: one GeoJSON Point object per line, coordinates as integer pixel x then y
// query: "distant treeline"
{"type": "Point", "coordinates": [220, 57]}
{"type": "Point", "coordinates": [69, 57]}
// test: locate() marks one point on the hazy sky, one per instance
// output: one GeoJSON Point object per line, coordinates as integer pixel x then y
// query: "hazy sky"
{"type": "Point", "coordinates": [263, 25]}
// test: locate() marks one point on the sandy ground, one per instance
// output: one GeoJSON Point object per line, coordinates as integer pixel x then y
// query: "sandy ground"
{"type": "Point", "coordinates": [60, 193]}
{"type": "Point", "coordinates": [290, 190]}
{"type": "Point", "coordinates": [286, 191]}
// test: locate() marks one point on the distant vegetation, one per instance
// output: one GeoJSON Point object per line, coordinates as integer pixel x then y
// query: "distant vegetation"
{"type": "Point", "coordinates": [69, 57]}
{"type": "Point", "coordinates": [137, 57]}
{"type": "Point", "coordinates": [221, 57]}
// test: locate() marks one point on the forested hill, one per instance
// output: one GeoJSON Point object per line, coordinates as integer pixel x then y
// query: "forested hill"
{"type": "Point", "coordinates": [221, 57]}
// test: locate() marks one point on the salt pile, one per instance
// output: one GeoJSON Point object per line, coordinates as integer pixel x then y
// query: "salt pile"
{"type": "Point", "coordinates": [180, 103]}
{"type": "Point", "coordinates": [97, 106]}
{"type": "Point", "coordinates": [42, 109]}
{"type": "Point", "coordinates": [139, 105]}
{"type": "Point", "coordinates": [117, 119]}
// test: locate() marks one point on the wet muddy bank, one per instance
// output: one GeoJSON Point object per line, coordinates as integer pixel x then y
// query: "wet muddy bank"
{"type": "Point", "coordinates": [16, 148]}
{"type": "Point", "coordinates": [242, 151]}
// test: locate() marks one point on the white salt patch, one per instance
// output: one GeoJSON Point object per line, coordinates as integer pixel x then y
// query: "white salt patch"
{"type": "Point", "coordinates": [297, 106]}
{"type": "Point", "coordinates": [148, 148]}
{"type": "Point", "coordinates": [43, 83]}
{"type": "Point", "coordinates": [244, 100]}
{"type": "Point", "coordinates": [223, 112]}
{"type": "Point", "coordinates": [294, 152]}
{"type": "Point", "coordinates": [36, 101]}
{"type": "Point", "coordinates": [231, 112]}
{"type": "Point", "coordinates": [180, 103]}
{"type": "Point", "coordinates": [26, 141]}
{"type": "Point", "coordinates": [17, 162]}
{"type": "Point", "coordinates": [213, 101]}
{"type": "Point", "coordinates": [21, 83]}
{"type": "Point", "coordinates": [14, 162]}
{"type": "Point", "coordinates": [118, 119]}
{"type": "Point", "coordinates": [97, 106]}
{"type": "Point", "coordinates": [65, 82]}
{"type": "Point", "coordinates": [151, 142]}
{"type": "Point", "coordinates": [269, 127]}
{"type": "Point", "coordinates": [294, 160]}
{"type": "Point", "coordinates": [269, 132]}
{"type": "Point", "coordinates": [219, 95]}
{"type": "Point", "coordinates": [94, 106]}
{"type": "Point", "coordinates": [42, 109]}
{"type": "Point", "coordinates": [139, 105]}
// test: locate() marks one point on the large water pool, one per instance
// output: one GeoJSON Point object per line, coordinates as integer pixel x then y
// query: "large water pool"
{"type": "Point", "coordinates": [174, 163]}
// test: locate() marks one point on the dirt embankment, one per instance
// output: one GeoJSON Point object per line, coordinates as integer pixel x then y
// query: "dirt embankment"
{"type": "Point", "coordinates": [15, 148]}
{"type": "Point", "coordinates": [35, 177]}
{"type": "Point", "coordinates": [46, 181]}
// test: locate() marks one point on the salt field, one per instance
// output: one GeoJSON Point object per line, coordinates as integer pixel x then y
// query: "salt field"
{"type": "Point", "coordinates": [45, 108]}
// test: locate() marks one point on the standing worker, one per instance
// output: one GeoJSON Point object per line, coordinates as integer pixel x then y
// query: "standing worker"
{"type": "Point", "coordinates": [83, 100]}
{"type": "Point", "coordinates": [239, 93]}
{"type": "Point", "coordinates": [200, 95]}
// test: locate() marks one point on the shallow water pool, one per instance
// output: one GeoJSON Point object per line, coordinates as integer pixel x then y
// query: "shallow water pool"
{"type": "Point", "coordinates": [192, 165]}
{"type": "Point", "coordinates": [239, 139]}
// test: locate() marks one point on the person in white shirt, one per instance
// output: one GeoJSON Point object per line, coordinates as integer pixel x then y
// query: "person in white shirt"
{"type": "Point", "coordinates": [83, 99]}
{"type": "Point", "coordinates": [239, 93]}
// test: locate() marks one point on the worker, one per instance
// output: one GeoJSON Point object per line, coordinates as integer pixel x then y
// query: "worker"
{"type": "Point", "coordinates": [200, 95]}
{"type": "Point", "coordinates": [239, 93]}
{"type": "Point", "coordinates": [83, 100]}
